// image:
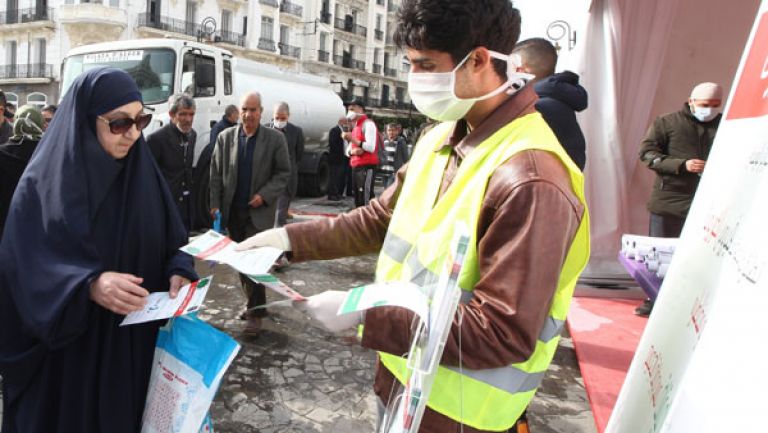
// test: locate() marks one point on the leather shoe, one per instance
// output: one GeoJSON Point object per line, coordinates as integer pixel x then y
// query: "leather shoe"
{"type": "Point", "coordinates": [645, 309]}
{"type": "Point", "coordinates": [252, 326]}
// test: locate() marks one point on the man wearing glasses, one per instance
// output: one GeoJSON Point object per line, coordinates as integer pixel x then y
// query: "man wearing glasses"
{"type": "Point", "coordinates": [48, 112]}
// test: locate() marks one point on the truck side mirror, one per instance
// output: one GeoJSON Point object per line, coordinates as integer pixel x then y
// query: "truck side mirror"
{"type": "Point", "coordinates": [205, 75]}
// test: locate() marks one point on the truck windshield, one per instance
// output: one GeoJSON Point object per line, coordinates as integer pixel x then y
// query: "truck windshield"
{"type": "Point", "coordinates": [151, 68]}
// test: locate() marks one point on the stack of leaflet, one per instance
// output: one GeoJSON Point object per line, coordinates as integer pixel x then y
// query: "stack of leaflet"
{"type": "Point", "coordinates": [655, 253]}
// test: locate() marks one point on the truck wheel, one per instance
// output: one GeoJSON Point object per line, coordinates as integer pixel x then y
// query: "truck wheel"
{"type": "Point", "coordinates": [315, 184]}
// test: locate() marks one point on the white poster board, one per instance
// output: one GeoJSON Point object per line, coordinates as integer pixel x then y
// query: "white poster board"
{"type": "Point", "coordinates": [699, 366]}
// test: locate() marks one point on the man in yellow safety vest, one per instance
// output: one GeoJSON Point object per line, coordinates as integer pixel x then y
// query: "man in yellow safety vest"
{"type": "Point", "coordinates": [492, 165]}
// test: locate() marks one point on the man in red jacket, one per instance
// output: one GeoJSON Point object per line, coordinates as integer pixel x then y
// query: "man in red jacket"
{"type": "Point", "coordinates": [363, 151]}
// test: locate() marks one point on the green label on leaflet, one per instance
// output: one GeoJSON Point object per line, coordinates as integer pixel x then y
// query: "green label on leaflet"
{"type": "Point", "coordinates": [353, 299]}
{"type": "Point", "coordinates": [264, 278]}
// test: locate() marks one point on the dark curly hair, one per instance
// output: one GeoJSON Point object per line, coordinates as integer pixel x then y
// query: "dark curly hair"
{"type": "Point", "coordinates": [459, 26]}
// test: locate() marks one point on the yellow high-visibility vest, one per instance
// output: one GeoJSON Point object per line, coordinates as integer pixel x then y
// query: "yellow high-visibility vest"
{"type": "Point", "coordinates": [417, 243]}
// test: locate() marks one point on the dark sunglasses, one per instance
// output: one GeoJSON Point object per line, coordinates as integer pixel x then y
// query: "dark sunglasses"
{"type": "Point", "coordinates": [122, 125]}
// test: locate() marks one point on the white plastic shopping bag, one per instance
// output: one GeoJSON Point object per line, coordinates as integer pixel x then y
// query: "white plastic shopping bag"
{"type": "Point", "coordinates": [191, 357]}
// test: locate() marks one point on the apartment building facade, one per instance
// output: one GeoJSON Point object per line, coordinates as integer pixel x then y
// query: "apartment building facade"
{"type": "Point", "coordinates": [348, 41]}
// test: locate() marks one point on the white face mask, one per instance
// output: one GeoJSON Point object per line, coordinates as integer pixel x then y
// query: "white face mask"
{"type": "Point", "coordinates": [434, 93]}
{"type": "Point", "coordinates": [352, 115]}
{"type": "Point", "coordinates": [704, 114]}
{"type": "Point", "coordinates": [280, 124]}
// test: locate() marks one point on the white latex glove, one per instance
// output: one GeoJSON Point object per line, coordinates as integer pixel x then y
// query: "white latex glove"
{"type": "Point", "coordinates": [277, 238]}
{"type": "Point", "coordinates": [323, 308]}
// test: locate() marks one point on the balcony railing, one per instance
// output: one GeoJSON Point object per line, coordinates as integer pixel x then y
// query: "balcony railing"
{"type": "Point", "coordinates": [395, 105]}
{"type": "Point", "coordinates": [373, 102]}
{"type": "Point", "coordinates": [169, 24]}
{"type": "Point", "coordinates": [325, 17]}
{"type": "Point", "coordinates": [272, 3]}
{"type": "Point", "coordinates": [289, 50]}
{"type": "Point", "coordinates": [29, 15]}
{"type": "Point", "coordinates": [338, 60]}
{"type": "Point", "coordinates": [390, 72]}
{"type": "Point", "coordinates": [379, 35]}
{"type": "Point", "coordinates": [188, 28]}
{"type": "Point", "coordinates": [358, 64]}
{"type": "Point", "coordinates": [390, 40]}
{"type": "Point", "coordinates": [376, 68]}
{"type": "Point", "coordinates": [323, 56]}
{"type": "Point", "coordinates": [340, 24]}
{"type": "Point", "coordinates": [291, 8]}
{"type": "Point", "coordinates": [348, 26]}
{"type": "Point", "coordinates": [230, 38]}
{"type": "Point", "coordinates": [35, 70]}
{"type": "Point", "coordinates": [266, 44]}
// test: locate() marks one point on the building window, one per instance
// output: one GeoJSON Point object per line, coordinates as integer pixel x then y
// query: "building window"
{"type": "Point", "coordinates": [226, 20]}
{"type": "Point", "coordinates": [267, 28]}
{"type": "Point", "coordinates": [191, 12]}
{"type": "Point", "coordinates": [245, 26]}
{"type": "Point", "coordinates": [323, 41]}
{"type": "Point", "coordinates": [227, 77]}
{"type": "Point", "coordinates": [10, 53]}
{"type": "Point", "coordinates": [38, 99]}
{"type": "Point", "coordinates": [40, 47]}
{"type": "Point", "coordinates": [285, 35]}
{"type": "Point", "coordinates": [12, 98]}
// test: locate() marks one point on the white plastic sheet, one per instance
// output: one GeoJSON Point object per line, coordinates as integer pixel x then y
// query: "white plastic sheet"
{"type": "Point", "coordinates": [640, 59]}
{"type": "Point", "coordinates": [698, 367]}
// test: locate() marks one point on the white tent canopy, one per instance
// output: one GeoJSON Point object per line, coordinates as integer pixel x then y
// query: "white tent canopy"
{"type": "Point", "coordinates": [640, 59]}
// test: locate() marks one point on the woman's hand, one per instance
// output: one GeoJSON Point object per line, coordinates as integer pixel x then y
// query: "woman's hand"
{"type": "Point", "coordinates": [119, 293]}
{"type": "Point", "coordinates": [177, 282]}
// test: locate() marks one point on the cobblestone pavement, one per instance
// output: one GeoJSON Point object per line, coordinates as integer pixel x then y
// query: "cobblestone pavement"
{"type": "Point", "coordinates": [295, 377]}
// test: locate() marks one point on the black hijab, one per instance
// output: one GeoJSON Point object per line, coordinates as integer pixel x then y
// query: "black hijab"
{"type": "Point", "coordinates": [77, 212]}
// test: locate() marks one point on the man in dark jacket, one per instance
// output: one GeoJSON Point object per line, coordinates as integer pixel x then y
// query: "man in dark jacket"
{"type": "Point", "coordinates": [338, 161]}
{"type": "Point", "coordinates": [173, 147]}
{"type": "Point", "coordinates": [676, 147]}
{"type": "Point", "coordinates": [560, 95]}
{"type": "Point", "coordinates": [394, 153]}
{"type": "Point", "coordinates": [228, 120]}
{"type": "Point", "coordinates": [294, 137]}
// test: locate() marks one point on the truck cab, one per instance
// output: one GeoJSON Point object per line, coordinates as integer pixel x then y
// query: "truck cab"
{"type": "Point", "coordinates": [161, 68]}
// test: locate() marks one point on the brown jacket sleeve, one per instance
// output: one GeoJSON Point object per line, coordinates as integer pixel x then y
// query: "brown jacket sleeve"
{"type": "Point", "coordinates": [357, 232]}
{"type": "Point", "coordinates": [528, 222]}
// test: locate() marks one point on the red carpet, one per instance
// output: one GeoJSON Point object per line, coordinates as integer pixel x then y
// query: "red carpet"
{"type": "Point", "coordinates": [605, 334]}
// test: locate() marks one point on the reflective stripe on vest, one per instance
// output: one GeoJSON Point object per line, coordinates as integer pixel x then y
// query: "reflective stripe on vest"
{"type": "Point", "coordinates": [416, 244]}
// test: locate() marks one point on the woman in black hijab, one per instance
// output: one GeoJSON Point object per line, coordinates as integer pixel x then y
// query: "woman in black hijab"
{"type": "Point", "coordinates": [15, 154]}
{"type": "Point", "coordinates": [91, 231]}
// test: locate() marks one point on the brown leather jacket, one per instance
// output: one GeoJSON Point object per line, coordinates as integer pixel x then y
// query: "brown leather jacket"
{"type": "Point", "coordinates": [528, 220]}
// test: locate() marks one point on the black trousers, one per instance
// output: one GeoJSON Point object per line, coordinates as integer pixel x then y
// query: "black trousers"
{"type": "Point", "coordinates": [337, 180]}
{"type": "Point", "coordinates": [241, 228]}
{"type": "Point", "coordinates": [349, 181]}
{"type": "Point", "coordinates": [364, 177]}
{"type": "Point", "coordinates": [665, 226]}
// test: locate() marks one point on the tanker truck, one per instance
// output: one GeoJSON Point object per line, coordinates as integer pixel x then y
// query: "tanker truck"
{"type": "Point", "coordinates": [216, 78]}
